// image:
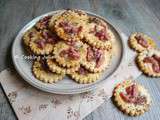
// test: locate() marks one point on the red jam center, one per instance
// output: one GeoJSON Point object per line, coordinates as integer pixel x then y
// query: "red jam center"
{"type": "Point", "coordinates": [71, 53]}
{"type": "Point", "coordinates": [141, 41]}
{"type": "Point", "coordinates": [69, 28]}
{"type": "Point", "coordinates": [155, 61]}
{"type": "Point", "coordinates": [96, 55]}
{"type": "Point", "coordinates": [132, 95]}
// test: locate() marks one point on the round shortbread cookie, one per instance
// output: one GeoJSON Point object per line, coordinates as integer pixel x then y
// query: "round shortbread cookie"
{"type": "Point", "coordinates": [131, 98]}
{"type": "Point", "coordinates": [54, 67]}
{"type": "Point", "coordinates": [68, 54]}
{"type": "Point", "coordinates": [69, 26]}
{"type": "Point", "coordinates": [43, 43]}
{"type": "Point", "coordinates": [41, 72]}
{"type": "Point", "coordinates": [98, 34]}
{"type": "Point", "coordinates": [149, 62]}
{"type": "Point", "coordinates": [141, 42]}
{"type": "Point", "coordinates": [83, 76]}
{"type": "Point", "coordinates": [96, 60]}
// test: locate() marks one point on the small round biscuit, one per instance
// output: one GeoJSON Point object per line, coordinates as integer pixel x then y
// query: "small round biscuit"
{"type": "Point", "coordinates": [41, 72]}
{"type": "Point", "coordinates": [69, 26]}
{"type": "Point", "coordinates": [96, 60]}
{"type": "Point", "coordinates": [131, 98]}
{"type": "Point", "coordinates": [83, 76]}
{"type": "Point", "coordinates": [54, 67]}
{"type": "Point", "coordinates": [149, 62]}
{"type": "Point", "coordinates": [69, 54]}
{"type": "Point", "coordinates": [43, 43]}
{"type": "Point", "coordinates": [141, 42]}
{"type": "Point", "coordinates": [98, 34]}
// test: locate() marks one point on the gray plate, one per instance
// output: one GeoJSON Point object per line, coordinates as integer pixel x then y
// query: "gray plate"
{"type": "Point", "coordinates": [66, 86]}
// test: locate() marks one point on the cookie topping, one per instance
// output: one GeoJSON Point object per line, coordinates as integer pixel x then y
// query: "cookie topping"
{"type": "Point", "coordinates": [43, 23]}
{"type": "Point", "coordinates": [96, 55]}
{"type": "Point", "coordinates": [41, 43]}
{"type": "Point", "coordinates": [131, 95]}
{"type": "Point", "coordinates": [71, 53]}
{"type": "Point", "coordinates": [70, 28]}
{"type": "Point", "coordinates": [141, 41]}
{"type": "Point", "coordinates": [155, 61]}
{"type": "Point", "coordinates": [101, 33]}
{"type": "Point", "coordinates": [49, 37]}
{"type": "Point", "coordinates": [82, 71]}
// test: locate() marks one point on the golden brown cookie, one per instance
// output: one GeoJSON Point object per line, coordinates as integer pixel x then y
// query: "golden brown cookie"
{"type": "Point", "coordinates": [69, 54]}
{"type": "Point", "coordinates": [96, 60]}
{"type": "Point", "coordinates": [149, 62]}
{"type": "Point", "coordinates": [98, 34]}
{"type": "Point", "coordinates": [141, 42]}
{"type": "Point", "coordinates": [69, 26]}
{"type": "Point", "coordinates": [54, 67]}
{"type": "Point", "coordinates": [131, 98]}
{"type": "Point", "coordinates": [83, 76]}
{"type": "Point", "coordinates": [43, 43]}
{"type": "Point", "coordinates": [41, 72]}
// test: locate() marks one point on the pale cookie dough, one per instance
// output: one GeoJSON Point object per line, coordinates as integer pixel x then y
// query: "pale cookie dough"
{"type": "Point", "coordinates": [131, 98]}
{"type": "Point", "coordinates": [141, 42]}
{"type": "Point", "coordinates": [42, 73]}
{"type": "Point", "coordinates": [84, 76]}
{"type": "Point", "coordinates": [149, 62]}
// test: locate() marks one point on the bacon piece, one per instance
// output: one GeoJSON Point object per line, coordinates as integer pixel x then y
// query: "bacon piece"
{"type": "Point", "coordinates": [142, 41]}
{"type": "Point", "coordinates": [82, 71]}
{"type": "Point", "coordinates": [71, 53]}
{"type": "Point", "coordinates": [69, 28]}
{"type": "Point", "coordinates": [154, 62]}
{"type": "Point", "coordinates": [41, 43]}
{"type": "Point", "coordinates": [101, 34]}
{"type": "Point", "coordinates": [49, 37]}
{"type": "Point", "coordinates": [43, 23]}
{"type": "Point", "coordinates": [90, 54]}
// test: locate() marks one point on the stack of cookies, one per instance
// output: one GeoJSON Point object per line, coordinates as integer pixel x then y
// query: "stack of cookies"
{"type": "Point", "coordinates": [69, 43]}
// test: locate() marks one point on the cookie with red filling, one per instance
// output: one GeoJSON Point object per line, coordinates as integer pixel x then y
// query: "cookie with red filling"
{"type": "Point", "coordinates": [131, 98]}
{"type": "Point", "coordinates": [141, 42]}
{"type": "Point", "coordinates": [43, 43]}
{"type": "Point", "coordinates": [69, 54]}
{"type": "Point", "coordinates": [84, 76]}
{"type": "Point", "coordinates": [96, 60]}
{"type": "Point", "coordinates": [149, 62]}
{"type": "Point", "coordinates": [70, 26]}
{"type": "Point", "coordinates": [98, 34]}
{"type": "Point", "coordinates": [42, 72]}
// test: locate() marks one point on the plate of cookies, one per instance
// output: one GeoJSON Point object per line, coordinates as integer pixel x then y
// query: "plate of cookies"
{"type": "Point", "coordinates": [67, 51]}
